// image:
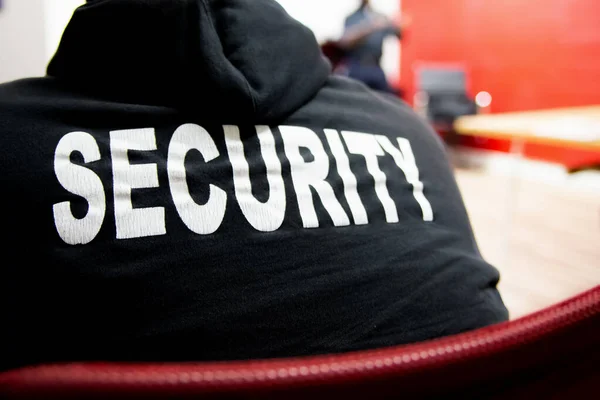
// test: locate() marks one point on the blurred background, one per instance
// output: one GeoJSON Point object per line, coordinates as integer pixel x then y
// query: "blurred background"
{"type": "Point", "coordinates": [512, 87]}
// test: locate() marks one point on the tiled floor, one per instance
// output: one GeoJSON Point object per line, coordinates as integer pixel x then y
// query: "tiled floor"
{"type": "Point", "coordinates": [541, 230]}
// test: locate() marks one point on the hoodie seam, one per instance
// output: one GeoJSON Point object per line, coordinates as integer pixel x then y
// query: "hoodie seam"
{"type": "Point", "coordinates": [248, 87]}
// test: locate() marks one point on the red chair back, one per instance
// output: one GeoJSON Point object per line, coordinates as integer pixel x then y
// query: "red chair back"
{"type": "Point", "coordinates": [554, 353]}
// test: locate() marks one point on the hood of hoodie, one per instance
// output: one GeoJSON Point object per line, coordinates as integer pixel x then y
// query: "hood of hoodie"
{"type": "Point", "coordinates": [240, 60]}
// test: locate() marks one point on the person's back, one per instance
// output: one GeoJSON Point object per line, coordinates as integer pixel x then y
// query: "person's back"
{"type": "Point", "coordinates": [362, 44]}
{"type": "Point", "coordinates": [191, 183]}
{"type": "Point", "coordinates": [367, 46]}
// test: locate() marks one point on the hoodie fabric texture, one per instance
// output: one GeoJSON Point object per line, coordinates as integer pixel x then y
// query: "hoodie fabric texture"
{"type": "Point", "coordinates": [190, 182]}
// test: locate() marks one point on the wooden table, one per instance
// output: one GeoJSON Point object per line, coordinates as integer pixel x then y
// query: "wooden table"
{"type": "Point", "coordinates": [573, 127]}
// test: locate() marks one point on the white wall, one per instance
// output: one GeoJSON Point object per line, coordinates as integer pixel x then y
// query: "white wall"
{"type": "Point", "coordinates": [326, 19]}
{"type": "Point", "coordinates": [30, 31]}
{"type": "Point", "coordinates": [57, 15]}
{"type": "Point", "coordinates": [22, 52]}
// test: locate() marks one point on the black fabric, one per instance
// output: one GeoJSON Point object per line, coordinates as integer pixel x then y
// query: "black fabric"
{"type": "Point", "coordinates": [445, 108]}
{"type": "Point", "coordinates": [239, 292]}
{"type": "Point", "coordinates": [209, 56]}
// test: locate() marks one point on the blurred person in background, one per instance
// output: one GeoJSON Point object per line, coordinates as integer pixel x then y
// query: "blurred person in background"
{"type": "Point", "coordinates": [190, 182]}
{"type": "Point", "coordinates": [362, 42]}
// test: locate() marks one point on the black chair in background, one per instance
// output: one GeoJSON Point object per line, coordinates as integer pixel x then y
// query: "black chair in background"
{"type": "Point", "coordinates": [442, 95]}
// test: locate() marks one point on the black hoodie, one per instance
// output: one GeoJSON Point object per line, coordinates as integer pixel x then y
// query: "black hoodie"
{"type": "Point", "coordinates": [189, 182]}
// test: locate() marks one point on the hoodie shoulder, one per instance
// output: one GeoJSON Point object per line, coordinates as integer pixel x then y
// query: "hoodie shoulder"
{"type": "Point", "coordinates": [17, 97]}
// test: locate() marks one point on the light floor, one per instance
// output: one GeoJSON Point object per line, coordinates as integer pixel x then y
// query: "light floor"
{"type": "Point", "coordinates": [538, 225]}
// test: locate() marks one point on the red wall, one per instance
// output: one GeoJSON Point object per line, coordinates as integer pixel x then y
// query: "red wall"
{"type": "Point", "coordinates": [529, 54]}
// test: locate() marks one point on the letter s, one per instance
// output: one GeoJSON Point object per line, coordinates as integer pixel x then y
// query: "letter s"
{"type": "Point", "coordinates": [80, 181]}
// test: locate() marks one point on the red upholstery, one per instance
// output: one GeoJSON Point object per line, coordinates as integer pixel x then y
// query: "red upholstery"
{"type": "Point", "coordinates": [333, 52]}
{"type": "Point", "coordinates": [554, 353]}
